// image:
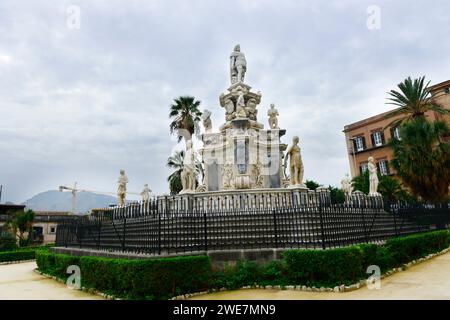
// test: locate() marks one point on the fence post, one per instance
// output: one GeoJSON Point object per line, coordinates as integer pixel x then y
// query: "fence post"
{"type": "Point", "coordinates": [206, 230]}
{"type": "Point", "coordinates": [159, 233]}
{"type": "Point", "coordinates": [322, 231]}
{"type": "Point", "coordinates": [392, 210]}
{"type": "Point", "coordinates": [99, 233]}
{"type": "Point", "coordinates": [367, 203]}
{"type": "Point", "coordinates": [275, 229]}
{"type": "Point", "coordinates": [124, 228]}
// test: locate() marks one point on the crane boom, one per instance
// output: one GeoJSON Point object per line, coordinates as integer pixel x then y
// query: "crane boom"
{"type": "Point", "coordinates": [74, 190]}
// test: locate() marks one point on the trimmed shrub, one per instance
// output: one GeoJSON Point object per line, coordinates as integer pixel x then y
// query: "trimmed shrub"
{"type": "Point", "coordinates": [147, 279]}
{"type": "Point", "coordinates": [164, 278]}
{"type": "Point", "coordinates": [244, 273]}
{"type": "Point", "coordinates": [324, 267]}
{"type": "Point", "coordinates": [416, 246]}
{"type": "Point", "coordinates": [133, 279]}
{"type": "Point", "coordinates": [17, 255]}
{"type": "Point", "coordinates": [7, 242]}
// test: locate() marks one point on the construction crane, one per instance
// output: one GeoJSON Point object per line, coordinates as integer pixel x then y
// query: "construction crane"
{"type": "Point", "coordinates": [74, 190]}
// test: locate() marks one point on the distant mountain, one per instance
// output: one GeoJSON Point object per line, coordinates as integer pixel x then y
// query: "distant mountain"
{"type": "Point", "coordinates": [53, 200]}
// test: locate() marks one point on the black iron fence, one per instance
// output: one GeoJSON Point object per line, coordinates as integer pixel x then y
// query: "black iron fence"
{"type": "Point", "coordinates": [150, 228]}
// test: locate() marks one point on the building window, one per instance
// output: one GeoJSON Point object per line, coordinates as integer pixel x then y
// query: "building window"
{"type": "Point", "coordinates": [377, 139]}
{"type": "Point", "coordinates": [52, 229]}
{"type": "Point", "coordinates": [383, 167]}
{"type": "Point", "coordinates": [363, 168]}
{"type": "Point", "coordinates": [359, 143]}
{"type": "Point", "coordinates": [396, 133]}
{"type": "Point", "coordinates": [447, 90]}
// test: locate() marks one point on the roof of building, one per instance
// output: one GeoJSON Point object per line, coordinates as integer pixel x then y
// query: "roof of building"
{"type": "Point", "coordinates": [52, 213]}
{"type": "Point", "coordinates": [381, 116]}
{"type": "Point", "coordinates": [440, 85]}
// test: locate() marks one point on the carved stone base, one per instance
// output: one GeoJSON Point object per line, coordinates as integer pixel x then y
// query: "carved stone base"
{"type": "Point", "coordinates": [242, 181]}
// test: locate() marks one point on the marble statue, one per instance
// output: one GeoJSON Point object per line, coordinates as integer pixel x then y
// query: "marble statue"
{"type": "Point", "coordinates": [189, 172]}
{"type": "Point", "coordinates": [229, 110]}
{"type": "Point", "coordinates": [122, 190]}
{"type": "Point", "coordinates": [273, 117]}
{"type": "Point", "coordinates": [373, 177]}
{"type": "Point", "coordinates": [295, 164]}
{"type": "Point", "coordinates": [258, 181]}
{"type": "Point", "coordinates": [250, 109]}
{"type": "Point", "coordinates": [238, 65]}
{"type": "Point", "coordinates": [145, 194]}
{"type": "Point", "coordinates": [347, 188]}
{"type": "Point", "coordinates": [240, 106]}
{"type": "Point", "coordinates": [206, 117]}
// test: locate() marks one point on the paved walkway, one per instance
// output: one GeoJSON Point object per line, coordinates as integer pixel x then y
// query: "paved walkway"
{"type": "Point", "coordinates": [20, 282]}
{"type": "Point", "coordinates": [429, 280]}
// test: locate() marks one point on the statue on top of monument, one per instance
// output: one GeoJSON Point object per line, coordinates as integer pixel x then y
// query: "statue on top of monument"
{"type": "Point", "coordinates": [238, 65]}
{"type": "Point", "coordinates": [207, 123]}
{"type": "Point", "coordinates": [347, 187]}
{"type": "Point", "coordinates": [373, 177]}
{"type": "Point", "coordinates": [273, 117]}
{"type": "Point", "coordinates": [295, 164]}
{"type": "Point", "coordinates": [229, 109]}
{"type": "Point", "coordinates": [240, 105]}
{"type": "Point", "coordinates": [145, 194]}
{"type": "Point", "coordinates": [250, 109]}
{"type": "Point", "coordinates": [122, 189]}
{"type": "Point", "coordinates": [189, 172]}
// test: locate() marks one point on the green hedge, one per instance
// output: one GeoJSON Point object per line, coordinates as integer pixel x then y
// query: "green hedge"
{"type": "Point", "coordinates": [167, 277]}
{"type": "Point", "coordinates": [331, 267]}
{"type": "Point", "coordinates": [416, 246]}
{"type": "Point", "coordinates": [17, 255]}
{"type": "Point", "coordinates": [133, 279]}
{"type": "Point", "coordinates": [7, 242]}
{"type": "Point", "coordinates": [324, 268]}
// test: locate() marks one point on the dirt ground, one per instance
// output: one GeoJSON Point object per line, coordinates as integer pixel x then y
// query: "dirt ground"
{"type": "Point", "coordinates": [20, 282]}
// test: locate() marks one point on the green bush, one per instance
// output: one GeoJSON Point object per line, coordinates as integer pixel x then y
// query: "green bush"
{"type": "Point", "coordinates": [332, 267]}
{"type": "Point", "coordinates": [324, 267]}
{"type": "Point", "coordinates": [7, 242]}
{"type": "Point", "coordinates": [17, 255]}
{"type": "Point", "coordinates": [167, 277]}
{"type": "Point", "coordinates": [243, 273]}
{"type": "Point", "coordinates": [45, 261]}
{"type": "Point", "coordinates": [133, 279]}
{"type": "Point", "coordinates": [416, 246]}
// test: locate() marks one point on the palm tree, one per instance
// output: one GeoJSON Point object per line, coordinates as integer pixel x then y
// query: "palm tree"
{"type": "Point", "coordinates": [413, 100]}
{"type": "Point", "coordinates": [175, 162]}
{"type": "Point", "coordinates": [422, 157]}
{"type": "Point", "coordinates": [21, 222]}
{"type": "Point", "coordinates": [186, 115]}
{"type": "Point", "coordinates": [391, 189]}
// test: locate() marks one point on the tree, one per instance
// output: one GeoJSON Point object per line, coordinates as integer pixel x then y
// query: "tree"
{"type": "Point", "coordinates": [361, 182]}
{"type": "Point", "coordinates": [413, 100]}
{"type": "Point", "coordinates": [311, 184]}
{"type": "Point", "coordinates": [422, 157]}
{"type": "Point", "coordinates": [391, 189]}
{"type": "Point", "coordinates": [21, 222]}
{"type": "Point", "coordinates": [336, 195]}
{"type": "Point", "coordinates": [186, 115]}
{"type": "Point", "coordinates": [175, 162]}
{"type": "Point", "coordinates": [8, 241]}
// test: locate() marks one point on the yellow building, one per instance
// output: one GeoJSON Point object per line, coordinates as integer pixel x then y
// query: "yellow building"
{"type": "Point", "coordinates": [369, 137]}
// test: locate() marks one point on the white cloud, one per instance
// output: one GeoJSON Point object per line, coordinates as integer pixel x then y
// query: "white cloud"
{"type": "Point", "coordinates": [78, 105]}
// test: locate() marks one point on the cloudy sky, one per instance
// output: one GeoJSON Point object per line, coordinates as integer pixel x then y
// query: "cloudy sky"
{"type": "Point", "coordinates": [80, 101]}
